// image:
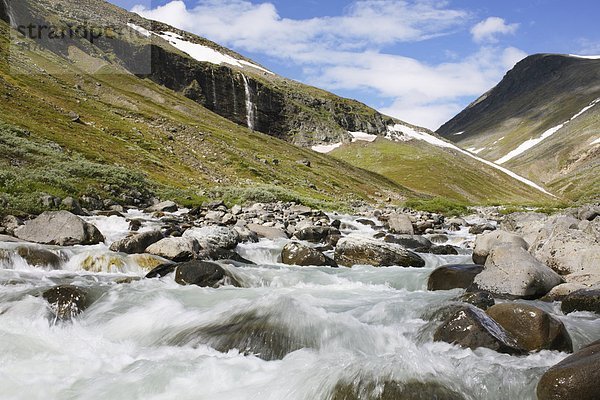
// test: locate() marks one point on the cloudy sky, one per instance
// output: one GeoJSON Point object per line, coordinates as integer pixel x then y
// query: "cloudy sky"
{"type": "Point", "coordinates": [419, 60]}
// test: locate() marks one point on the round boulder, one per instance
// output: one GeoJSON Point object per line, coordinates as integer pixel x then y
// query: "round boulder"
{"type": "Point", "coordinates": [577, 377]}
{"type": "Point", "coordinates": [362, 251]}
{"type": "Point", "coordinates": [60, 228]}
{"type": "Point", "coordinates": [136, 244]}
{"type": "Point", "coordinates": [533, 329]}
{"type": "Point", "coordinates": [582, 300]}
{"type": "Point", "coordinates": [486, 242]}
{"type": "Point", "coordinates": [453, 276]}
{"type": "Point", "coordinates": [204, 274]}
{"type": "Point", "coordinates": [65, 301]}
{"type": "Point", "coordinates": [295, 253]}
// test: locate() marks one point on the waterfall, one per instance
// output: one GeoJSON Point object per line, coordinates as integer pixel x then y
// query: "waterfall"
{"type": "Point", "coordinates": [10, 12]}
{"type": "Point", "coordinates": [250, 112]}
{"type": "Point", "coordinates": [214, 90]}
{"type": "Point", "coordinates": [234, 95]}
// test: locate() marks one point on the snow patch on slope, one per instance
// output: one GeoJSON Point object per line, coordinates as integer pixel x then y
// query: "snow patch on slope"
{"type": "Point", "coordinates": [597, 141]}
{"type": "Point", "coordinates": [403, 133]}
{"type": "Point", "coordinates": [475, 151]}
{"type": "Point", "coordinates": [587, 57]}
{"type": "Point", "coordinates": [197, 51]}
{"type": "Point", "coordinates": [362, 136]}
{"type": "Point", "coordinates": [528, 144]}
{"type": "Point", "coordinates": [326, 148]}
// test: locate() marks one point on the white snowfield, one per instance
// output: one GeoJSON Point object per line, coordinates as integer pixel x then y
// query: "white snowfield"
{"type": "Point", "coordinates": [475, 151]}
{"type": "Point", "coordinates": [401, 133]}
{"type": "Point", "coordinates": [588, 57]}
{"type": "Point", "coordinates": [197, 51]}
{"type": "Point", "coordinates": [597, 141]}
{"type": "Point", "coordinates": [528, 144]}
{"type": "Point", "coordinates": [326, 148]}
{"type": "Point", "coordinates": [362, 136]}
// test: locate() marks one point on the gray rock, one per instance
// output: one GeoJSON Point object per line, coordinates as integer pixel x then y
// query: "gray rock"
{"type": "Point", "coordinates": [295, 253]}
{"type": "Point", "coordinates": [558, 293]}
{"type": "Point", "coordinates": [137, 243]}
{"type": "Point", "coordinates": [588, 212]}
{"type": "Point", "coordinates": [66, 301]}
{"type": "Point", "coordinates": [582, 300]}
{"type": "Point", "coordinates": [204, 274]}
{"type": "Point", "coordinates": [236, 209]}
{"type": "Point", "coordinates": [577, 377]}
{"type": "Point", "coordinates": [266, 232]}
{"type": "Point", "coordinates": [528, 225]}
{"type": "Point", "coordinates": [453, 276]}
{"type": "Point", "coordinates": [361, 251]}
{"type": "Point", "coordinates": [59, 228]}
{"type": "Point", "coordinates": [409, 241]}
{"type": "Point", "coordinates": [532, 328]}
{"type": "Point", "coordinates": [300, 209]}
{"type": "Point", "coordinates": [10, 222]}
{"type": "Point", "coordinates": [72, 205]}
{"type": "Point", "coordinates": [401, 224]}
{"type": "Point", "coordinates": [165, 206]}
{"type": "Point", "coordinates": [316, 234]}
{"type": "Point", "coordinates": [511, 271]}
{"type": "Point", "coordinates": [486, 242]}
{"type": "Point", "coordinates": [473, 328]}
{"type": "Point", "coordinates": [38, 257]}
{"type": "Point", "coordinates": [483, 300]}
{"type": "Point", "coordinates": [175, 248]}
{"type": "Point", "coordinates": [214, 236]}
{"type": "Point", "coordinates": [245, 234]}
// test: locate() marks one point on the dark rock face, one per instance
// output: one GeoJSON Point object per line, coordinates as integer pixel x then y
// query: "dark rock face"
{"type": "Point", "coordinates": [316, 234]}
{"type": "Point", "coordinates": [483, 300]}
{"type": "Point", "coordinates": [59, 228]}
{"type": "Point", "coordinates": [533, 329]}
{"type": "Point", "coordinates": [453, 276]}
{"type": "Point", "coordinates": [471, 327]}
{"type": "Point", "coordinates": [161, 270]}
{"type": "Point", "coordinates": [392, 390]}
{"type": "Point", "coordinates": [409, 241]}
{"type": "Point", "coordinates": [352, 251]}
{"type": "Point", "coordinates": [443, 250]}
{"type": "Point", "coordinates": [250, 333]}
{"type": "Point", "coordinates": [65, 301]}
{"type": "Point", "coordinates": [582, 300]}
{"type": "Point", "coordinates": [136, 244]}
{"type": "Point", "coordinates": [577, 377]}
{"type": "Point", "coordinates": [204, 274]}
{"type": "Point", "coordinates": [298, 254]}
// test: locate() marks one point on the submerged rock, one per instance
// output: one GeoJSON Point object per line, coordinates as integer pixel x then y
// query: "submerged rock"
{"type": "Point", "coordinates": [533, 329]}
{"type": "Point", "coordinates": [577, 377]}
{"type": "Point", "coordinates": [453, 276]}
{"type": "Point", "coordinates": [393, 390]}
{"type": "Point", "coordinates": [205, 274]}
{"type": "Point", "coordinates": [250, 333]}
{"type": "Point", "coordinates": [60, 228]}
{"type": "Point", "coordinates": [65, 301]}
{"type": "Point", "coordinates": [582, 300]}
{"type": "Point", "coordinates": [361, 251]}
{"type": "Point", "coordinates": [136, 244]}
{"type": "Point", "coordinates": [512, 272]}
{"type": "Point", "coordinates": [471, 327]}
{"type": "Point", "coordinates": [295, 253]}
{"type": "Point", "coordinates": [37, 257]}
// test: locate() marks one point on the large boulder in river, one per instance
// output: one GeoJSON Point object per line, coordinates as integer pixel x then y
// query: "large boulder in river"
{"type": "Point", "coordinates": [486, 242]}
{"type": "Point", "coordinates": [582, 300]}
{"type": "Point", "coordinates": [570, 247]}
{"type": "Point", "coordinates": [65, 301]}
{"type": "Point", "coordinates": [401, 224]}
{"type": "Point", "coordinates": [175, 248]}
{"type": "Point", "coordinates": [295, 253]}
{"type": "Point", "coordinates": [453, 276]}
{"type": "Point", "coordinates": [510, 271]}
{"type": "Point", "coordinates": [533, 329]}
{"type": "Point", "coordinates": [577, 377]}
{"type": "Point", "coordinates": [471, 327]}
{"type": "Point", "coordinates": [267, 232]}
{"type": "Point", "coordinates": [60, 228]}
{"type": "Point", "coordinates": [137, 243]}
{"type": "Point", "coordinates": [317, 234]}
{"type": "Point", "coordinates": [354, 251]}
{"type": "Point", "coordinates": [528, 225]}
{"type": "Point", "coordinates": [215, 236]}
{"type": "Point", "coordinates": [34, 256]}
{"type": "Point", "coordinates": [409, 241]}
{"type": "Point", "coordinates": [204, 274]}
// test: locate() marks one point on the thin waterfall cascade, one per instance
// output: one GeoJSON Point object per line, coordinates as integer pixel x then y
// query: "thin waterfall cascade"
{"type": "Point", "coordinates": [250, 107]}
{"type": "Point", "coordinates": [214, 90]}
{"type": "Point", "coordinates": [233, 91]}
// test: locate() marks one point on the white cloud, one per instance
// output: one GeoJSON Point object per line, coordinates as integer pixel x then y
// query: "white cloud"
{"type": "Point", "coordinates": [488, 29]}
{"type": "Point", "coordinates": [344, 52]}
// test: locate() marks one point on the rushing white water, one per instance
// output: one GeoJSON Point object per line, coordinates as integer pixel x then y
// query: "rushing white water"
{"type": "Point", "coordinates": [362, 323]}
{"type": "Point", "coordinates": [250, 108]}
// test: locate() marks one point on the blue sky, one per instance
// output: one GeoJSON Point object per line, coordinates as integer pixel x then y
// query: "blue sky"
{"type": "Point", "coordinates": [419, 60]}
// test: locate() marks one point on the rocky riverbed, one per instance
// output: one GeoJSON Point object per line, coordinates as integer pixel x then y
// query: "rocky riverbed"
{"type": "Point", "coordinates": [279, 301]}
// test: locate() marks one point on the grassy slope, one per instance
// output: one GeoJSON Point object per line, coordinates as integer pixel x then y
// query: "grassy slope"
{"type": "Point", "coordinates": [447, 173]}
{"type": "Point", "coordinates": [180, 147]}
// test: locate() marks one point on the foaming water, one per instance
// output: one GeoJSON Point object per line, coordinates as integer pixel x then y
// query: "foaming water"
{"type": "Point", "coordinates": [289, 333]}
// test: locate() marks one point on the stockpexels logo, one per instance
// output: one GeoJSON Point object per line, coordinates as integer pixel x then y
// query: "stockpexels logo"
{"type": "Point", "coordinates": [89, 44]}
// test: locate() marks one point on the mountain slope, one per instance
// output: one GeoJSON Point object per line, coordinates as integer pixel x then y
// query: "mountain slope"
{"type": "Point", "coordinates": [148, 96]}
{"type": "Point", "coordinates": [542, 121]}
